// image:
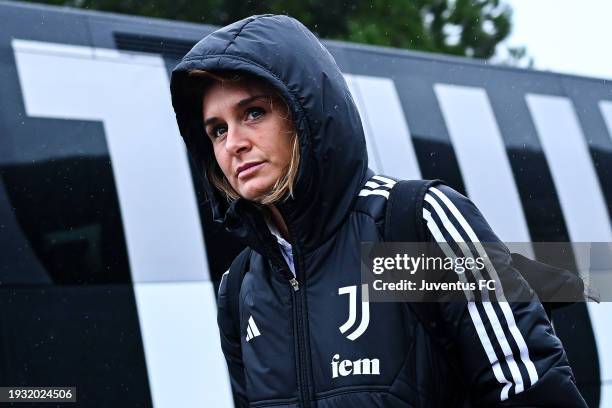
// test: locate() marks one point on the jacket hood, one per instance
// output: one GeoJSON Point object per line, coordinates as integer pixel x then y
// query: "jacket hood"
{"type": "Point", "coordinates": [333, 165]}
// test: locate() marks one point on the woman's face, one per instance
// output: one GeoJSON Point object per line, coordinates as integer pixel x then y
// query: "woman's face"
{"type": "Point", "coordinates": [250, 131]}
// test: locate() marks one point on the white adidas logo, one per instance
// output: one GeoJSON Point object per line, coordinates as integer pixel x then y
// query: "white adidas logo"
{"type": "Point", "coordinates": [252, 330]}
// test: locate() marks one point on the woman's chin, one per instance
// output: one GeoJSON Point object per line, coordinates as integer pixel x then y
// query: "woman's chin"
{"type": "Point", "coordinates": [254, 192]}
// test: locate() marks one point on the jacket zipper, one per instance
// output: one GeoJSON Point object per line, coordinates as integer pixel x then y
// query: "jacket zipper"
{"type": "Point", "coordinates": [296, 296]}
{"type": "Point", "coordinates": [299, 318]}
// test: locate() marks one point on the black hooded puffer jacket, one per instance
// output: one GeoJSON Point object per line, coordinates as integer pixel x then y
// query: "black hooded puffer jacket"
{"type": "Point", "coordinates": [305, 346]}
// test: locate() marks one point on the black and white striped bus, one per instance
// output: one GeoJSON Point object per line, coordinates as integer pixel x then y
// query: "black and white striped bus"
{"type": "Point", "coordinates": [108, 259]}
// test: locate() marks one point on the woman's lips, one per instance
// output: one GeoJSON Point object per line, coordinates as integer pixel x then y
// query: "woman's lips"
{"type": "Point", "coordinates": [250, 170]}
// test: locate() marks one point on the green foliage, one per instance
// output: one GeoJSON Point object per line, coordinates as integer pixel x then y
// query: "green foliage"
{"type": "Point", "coordinates": [471, 28]}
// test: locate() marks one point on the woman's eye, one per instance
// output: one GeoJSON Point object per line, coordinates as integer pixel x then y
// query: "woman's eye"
{"type": "Point", "coordinates": [217, 132]}
{"type": "Point", "coordinates": [255, 113]}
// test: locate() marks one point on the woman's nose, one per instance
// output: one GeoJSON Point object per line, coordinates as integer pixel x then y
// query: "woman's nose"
{"type": "Point", "coordinates": [237, 140]}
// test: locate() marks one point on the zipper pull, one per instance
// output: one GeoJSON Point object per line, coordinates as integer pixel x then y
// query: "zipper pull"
{"type": "Point", "coordinates": [295, 284]}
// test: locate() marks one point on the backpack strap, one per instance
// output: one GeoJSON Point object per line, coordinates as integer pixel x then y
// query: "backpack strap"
{"type": "Point", "coordinates": [404, 223]}
{"type": "Point", "coordinates": [403, 220]}
{"type": "Point", "coordinates": [235, 277]}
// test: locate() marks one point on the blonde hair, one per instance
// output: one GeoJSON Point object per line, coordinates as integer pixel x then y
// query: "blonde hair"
{"type": "Point", "coordinates": [285, 184]}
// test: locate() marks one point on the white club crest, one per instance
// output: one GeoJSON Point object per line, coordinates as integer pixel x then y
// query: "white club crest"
{"type": "Point", "coordinates": [365, 310]}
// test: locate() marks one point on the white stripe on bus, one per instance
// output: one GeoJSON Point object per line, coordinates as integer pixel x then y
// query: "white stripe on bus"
{"type": "Point", "coordinates": [385, 125]}
{"type": "Point", "coordinates": [572, 169]}
{"type": "Point", "coordinates": [158, 205]}
{"type": "Point", "coordinates": [374, 161]}
{"type": "Point", "coordinates": [480, 148]}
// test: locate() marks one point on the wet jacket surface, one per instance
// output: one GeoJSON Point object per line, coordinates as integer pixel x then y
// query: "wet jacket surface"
{"type": "Point", "coordinates": [324, 345]}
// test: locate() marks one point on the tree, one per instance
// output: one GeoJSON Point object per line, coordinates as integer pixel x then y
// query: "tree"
{"type": "Point", "coordinates": [472, 28]}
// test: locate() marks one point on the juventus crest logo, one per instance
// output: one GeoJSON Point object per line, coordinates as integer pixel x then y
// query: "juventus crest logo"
{"type": "Point", "coordinates": [365, 311]}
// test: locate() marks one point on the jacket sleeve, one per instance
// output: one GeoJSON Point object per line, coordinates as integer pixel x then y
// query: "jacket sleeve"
{"type": "Point", "coordinates": [230, 344]}
{"type": "Point", "coordinates": [508, 352]}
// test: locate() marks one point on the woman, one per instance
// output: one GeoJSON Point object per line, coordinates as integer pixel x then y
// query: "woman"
{"type": "Point", "coordinates": [283, 155]}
